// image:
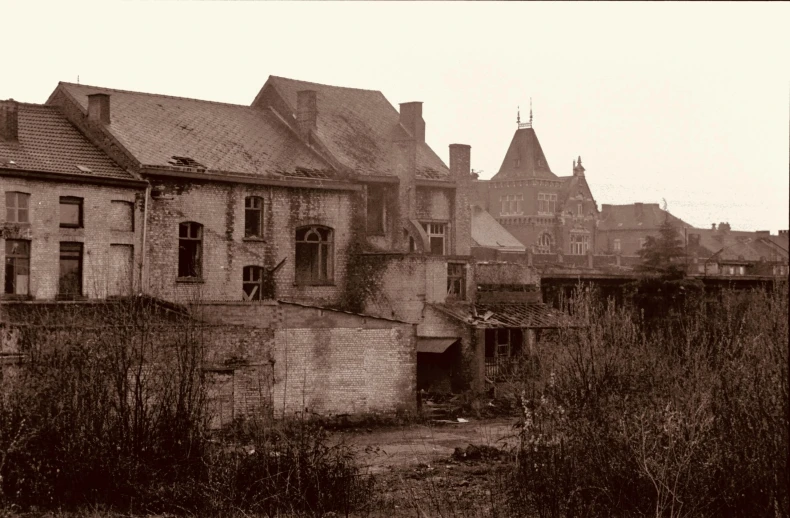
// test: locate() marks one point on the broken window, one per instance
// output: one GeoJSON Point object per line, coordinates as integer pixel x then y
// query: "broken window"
{"type": "Point", "coordinates": [456, 281]}
{"type": "Point", "coordinates": [70, 212]}
{"type": "Point", "coordinates": [122, 216]}
{"type": "Point", "coordinates": [190, 249]}
{"type": "Point", "coordinates": [17, 267]}
{"type": "Point", "coordinates": [70, 281]}
{"type": "Point", "coordinates": [253, 216]}
{"type": "Point", "coordinates": [17, 207]}
{"type": "Point", "coordinates": [544, 243]}
{"type": "Point", "coordinates": [314, 255]}
{"type": "Point", "coordinates": [502, 349]}
{"type": "Point", "coordinates": [376, 210]}
{"type": "Point", "coordinates": [252, 282]}
{"type": "Point", "coordinates": [436, 237]}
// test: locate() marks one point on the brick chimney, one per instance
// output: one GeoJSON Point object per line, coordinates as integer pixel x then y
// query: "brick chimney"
{"type": "Point", "coordinates": [411, 119]}
{"type": "Point", "coordinates": [99, 108]}
{"type": "Point", "coordinates": [9, 120]}
{"type": "Point", "coordinates": [460, 160]}
{"type": "Point", "coordinates": [461, 172]}
{"type": "Point", "coordinates": [306, 111]}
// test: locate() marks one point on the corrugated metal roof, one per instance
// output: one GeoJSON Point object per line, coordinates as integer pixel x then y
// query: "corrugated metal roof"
{"type": "Point", "coordinates": [507, 315]}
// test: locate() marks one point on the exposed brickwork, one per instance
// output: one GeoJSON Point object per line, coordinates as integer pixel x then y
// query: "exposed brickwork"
{"type": "Point", "coordinates": [45, 233]}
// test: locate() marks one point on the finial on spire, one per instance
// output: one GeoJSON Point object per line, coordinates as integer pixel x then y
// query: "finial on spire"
{"type": "Point", "coordinates": [580, 160]}
{"type": "Point", "coordinates": [518, 115]}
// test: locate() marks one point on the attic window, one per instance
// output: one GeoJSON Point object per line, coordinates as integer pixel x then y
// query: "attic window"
{"type": "Point", "coordinates": [185, 161]}
{"type": "Point", "coordinates": [84, 169]}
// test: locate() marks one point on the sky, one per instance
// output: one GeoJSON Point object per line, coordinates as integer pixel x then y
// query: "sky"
{"type": "Point", "coordinates": [683, 103]}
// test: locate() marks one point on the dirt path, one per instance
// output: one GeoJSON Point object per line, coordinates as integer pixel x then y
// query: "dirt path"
{"type": "Point", "coordinates": [387, 449]}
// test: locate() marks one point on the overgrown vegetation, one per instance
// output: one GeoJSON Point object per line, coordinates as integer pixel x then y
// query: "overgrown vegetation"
{"type": "Point", "coordinates": [109, 410]}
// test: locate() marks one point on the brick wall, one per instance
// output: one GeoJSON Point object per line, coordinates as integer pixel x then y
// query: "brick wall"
{"type": "Point", "coordinates": [97, 234]}
{"type": "Point", "coordinates": [219, 208]}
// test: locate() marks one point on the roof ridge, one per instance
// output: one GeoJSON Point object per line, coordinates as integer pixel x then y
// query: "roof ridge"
{"type": "Point", "coordinates": [166, 96]}
{"type": "Point", "coordinates": [324, 84]}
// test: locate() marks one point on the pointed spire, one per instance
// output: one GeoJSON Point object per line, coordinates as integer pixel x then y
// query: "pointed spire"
{"type": "Point", "coordinates": [530, 112]}
{"type": "Point", "coordinates": [580, 160]}
{"type": "Point", "coordinates": [518, 115]}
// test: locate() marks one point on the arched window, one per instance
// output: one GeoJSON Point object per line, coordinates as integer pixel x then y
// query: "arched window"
{"type": "Point", "coordinates": [544, 243]}
{"type": "Point", "coordinates": [190, 250]}
{"type": "Point", "coordinates": [314, 255]}
{"type": "Point", "coordinates": [252, 277]}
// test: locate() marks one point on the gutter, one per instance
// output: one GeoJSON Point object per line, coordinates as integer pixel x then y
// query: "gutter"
{"type": "Point", "coordinates": [332, 185]}
{"type": "Point", "coordinates": [78, 178]}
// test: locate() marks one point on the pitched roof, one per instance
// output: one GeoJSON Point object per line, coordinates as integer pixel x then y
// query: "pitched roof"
{"type": "Point", "coordinates": [358, 127]}
{"type": "Point", "coordinates": [636, 216]}
{"type": "Point", "coordinates": [524, 158]}
{"type": "Point", "coordinates": [221, 137]}
{"type": "Point", "coordinates": [49, 143]}
{"type": "Point", "coordinates": [733, 245]}
{"type": "Point", "coordinates": [487, 232]}
{"type": "Point", "coordinates": [535, 315]}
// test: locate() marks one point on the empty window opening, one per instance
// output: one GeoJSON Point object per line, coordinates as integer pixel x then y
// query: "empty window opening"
{"type": "Point", "coordinates": [122, 216]}
{"type": "Point", "coordinates": [190, 249]}
{"type": "Point", "coordinates": [70, 212]}
{"type": "Point", "coordinates": [17, 207]}
{"type": "Point", "coordinates": [436, 237]}
{"type": "Point", "coordinates": [70, 281]}
{"type": "Point", "coordinates": [456, 281]}
{"type": "Point", "coordinates": [253, 216]}
{"type": "Point", "coordinates": [253, 282]}
{"type": "Point", "coordinates": [376, 210]}
{"type": "Point", "coordinates": [17, 267]}
{"type": "Point", "coordinates": [314, 255]}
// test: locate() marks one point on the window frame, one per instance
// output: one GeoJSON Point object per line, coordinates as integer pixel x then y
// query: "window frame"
{"type": "Point", "coordinates": [431, 229]}
{"type": "Point", "coordinates": [379, 210]}
{"type": "Point", "coordinates": [14, 262]}
{"type": "Point", "coordinates": [248, 210]}
{"type": "Point", "coordinates": [252, 269]}
{"type": "Point", "coordinates": [72, 200]}
{"type": "Point", "coordinates": [197, 254]}
{"type": "Point", "coordinates": [456, 281]}
{"type": "Point", "coordinates": [579, 243]}
{"type": "Point", "coordinates": [321, 260]}
{"type": "Point", "coordinates": [547, 203]}
{"type": "Point", "coordinates": [65, 254]}
{"type": "Point", "coordinates": [544, 248]}
{"type": "Point", "coordinates": [15, 209]}
{"type": "Point", "coordinates": [616, 245]}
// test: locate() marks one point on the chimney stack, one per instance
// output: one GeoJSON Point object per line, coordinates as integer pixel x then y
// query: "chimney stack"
{"type": "Point", "coordinates": [713, 226]}
{"type": "Point", "coordinates": [9, 120]}
{"type": "Point", "coordinates": [460, 161]}
{"type": "Point", "coordinates": [411, 119]}
{"type": "Point", "coordinates": [306, 111]}
{"type": "Point", "coordinates": [99, 108]}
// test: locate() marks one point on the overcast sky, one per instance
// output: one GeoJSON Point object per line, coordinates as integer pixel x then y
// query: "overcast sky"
{"type": "Point", "coordinates": [688, 102]}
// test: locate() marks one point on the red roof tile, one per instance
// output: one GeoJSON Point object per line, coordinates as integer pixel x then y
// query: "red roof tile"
{"type": "Point", "coordinates": [222, 137]}
{"type": "Point", "coordinates": [358, 127]}
{"type": "Point", "coordinates": [49, 143]}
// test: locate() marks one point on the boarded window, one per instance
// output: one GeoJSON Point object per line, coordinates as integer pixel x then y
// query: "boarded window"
{"type": "Point", "coordinates": [17, 207]}
{"type": "Point", "coordinates": [17, 267]}
{"type": "Point", "coordinates": [121, 271]}
{"type": "Point", "coordinates": [70, 212]}
{"type": "Point", "coordinates": [253, 216]}
{"type": "Point", "coordinates": [190, 249]}
{"type": "Point", "coordinates": [376, 210]}
{"type": "Point", "coordinates": [122, 216]}
{"type": "Point", "coordinates": [314, 255]}
{"type": "Point", "coordinates": [70, 281]}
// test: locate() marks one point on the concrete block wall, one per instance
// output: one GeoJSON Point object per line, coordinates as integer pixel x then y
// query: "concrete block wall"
{"type": "Point", "coordinates": [220, 209]}
{"type": "Point", "coordinates": [97, 234]}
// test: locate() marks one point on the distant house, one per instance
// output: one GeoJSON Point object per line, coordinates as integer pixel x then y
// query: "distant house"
{"type": "Point", "coordinates": [624, 229]}
{"type": "Point", "coordinates": [725, 252]}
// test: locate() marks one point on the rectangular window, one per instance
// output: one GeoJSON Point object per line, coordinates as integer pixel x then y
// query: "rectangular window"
{"type": "Point", "coordinates": [17, 267]}
{"type": "Point", "coordinates": [580, 243]}
{"type": "Point", "coordinates": [456, 281]}
{"type": "Point", "coordinates": [190, 250]}
{"type": "Point", "coordinates": [376, 209]}
{"type": "Point", "coordinates": [70, 281]}
{"type": "Point", "coordinates": [436, 237]}
{"type": "Point", "coordinates": [17, 207]}
{"type": "Point", "coordinates": [252, 282]}
{"type": "Point", "coordinates": [616, 245]}
{"type": "Point", "coordinates": [121, 216]}
{"type": "Point", "coordinates": [547, 203]}
{"type": "Point", "coordinates": [502, 348]}
{"type": "Point", "coordinates": [512, 204]}
{"type": "Point", "coordinates": [253, 216]}
{"type": "Point", "coordinates": [70, 212]}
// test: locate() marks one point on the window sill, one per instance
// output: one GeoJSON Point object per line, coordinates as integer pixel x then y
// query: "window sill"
{"type": "Point", "coordinates": [190, 280]}
{"type": "Point", "coordinates": [72, 227]}
{"type": "Point", "coordinates": [253, 239]}
{"type": "Point", "coordinates": [70, 297]}
{"type": "Point", "coordinates": [317, 283]}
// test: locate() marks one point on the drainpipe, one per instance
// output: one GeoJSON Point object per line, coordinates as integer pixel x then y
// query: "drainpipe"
{"type": "Point", "coordinates": [143, 278]}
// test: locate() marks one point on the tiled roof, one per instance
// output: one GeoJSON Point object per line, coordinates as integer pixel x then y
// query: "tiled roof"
{"type": "Point", "coordinates": [358, 127]}
{"type": "Point", "coordinates": [487, 232]}
{"type": "Point", "coordinates": [225, 138]}
{"type": "Point", "coordinates": [507, 315]}
{"type": "Point", "coordinates": [49, 143]}
{"type": "Point", "coordinates": [631, 217]}
{"type": "Point", "coordinates": [733, 245]}
{"type": "Point", "coordinates": [526, 151]}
